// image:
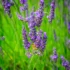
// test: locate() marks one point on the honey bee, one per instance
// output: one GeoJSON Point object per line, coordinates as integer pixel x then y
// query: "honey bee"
{"type": "Point", "coordinates": [34, 47]}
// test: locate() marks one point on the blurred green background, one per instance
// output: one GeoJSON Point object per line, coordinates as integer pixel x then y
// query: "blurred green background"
{"type": "Point", "coordinates": [12, 54]}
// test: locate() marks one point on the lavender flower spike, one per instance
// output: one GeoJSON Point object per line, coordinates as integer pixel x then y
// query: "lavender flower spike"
{"type": "Point", "coordinates": [23, 1]}
{"type": "Point", "coordinates": [51, 16]}
{"type": "Point", "coordinates": [65, 63]}
{"type": "Point", "coordinates": [39, 14]}
{"type": "Point", "coordinates": [54, 56]}
{"type": "Point", "coordinates": [32, 24]}
{"type": "Point", "coordinates": [7, 6]}
{"type": "Point", "coordinates": [38, 39]}
{"type": "Point", "coordinates": [26, 43]}
{"type": "Point", "coordinates": [69, 27]}
{"type": "Point", "coordinates": [41, 4]}
{"type": "Point", "coordinates": [43, 42]}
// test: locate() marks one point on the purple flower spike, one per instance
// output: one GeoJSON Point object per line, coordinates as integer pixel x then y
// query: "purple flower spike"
{"type": "Point", "coordinates": [39, 14]}
{"type": "Point", "coordinates": [32, 24]}
{"type": "Point", "coordinates": [23, 1]}
{"type": "Point", "coordinates": [69, 27]}
{"type": "Point", "coordinates": [51, 16]}
{"type": "Point", "coordinates": [54, 56]}
{"type": "Point", "coordinates": [26, 43]}
{"type": "Point", "coordinates": [38, 18]}
{"type": "Point", "coordinates": [43, 42]}
{"type": "Point", "coordinates": [7, 6]}
{"type": "Point", "coordinates": [41, 4]}
{"type": "Point", "coordinates": [38, 39]}
{"type": "Point", "coordinates": [65, 63]}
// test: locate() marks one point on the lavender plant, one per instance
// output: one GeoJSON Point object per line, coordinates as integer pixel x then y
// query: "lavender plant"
{"type": "Point", "coordinates": [34, 37]}
{"type": "Point", "coordinates": [38, 39]}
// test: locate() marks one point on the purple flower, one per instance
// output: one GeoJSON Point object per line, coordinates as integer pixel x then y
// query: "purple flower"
{"type": "Point", "coordinates": [26, 43]}
{"type": "Point", "coordinates": [25, 8]}
{"type": "Point", "coordinates": [39, 14]}
{"type": "Point", "coordinates": [69, 27]}
{"type": "Point", "coordinates": [38, 39]}
{"type": "Point", "coordinates": [20, 17]}
{"type": "Point", "coordinates": [7, 6]}
{"type": "Point", "coordinates": [23, 1]}
{"type": "Point", "coordinates": [22, 9]}
{"type": "Point", "coordinates": [32, 34]}
{"type": "Point", "coordinates": [65, 63]}
{"type": "Point", "coordinates": [51, 16]}
{"type": "Point", "coordinates": [38, 18]}
{"type": "Point", "coordinates": [43, 42]}
{"type": "Point", "coordinates": [32, 28]}
{"type": "Point", "coordinates": [54, 56]}
{"type": "Point", "coordinates": [41, 4]}
{"type": "Point", "coordinates": [28, 54]}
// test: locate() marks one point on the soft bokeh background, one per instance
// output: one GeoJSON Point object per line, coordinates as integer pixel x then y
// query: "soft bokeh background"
{"type": "Point", "coordinates": [12, 55]}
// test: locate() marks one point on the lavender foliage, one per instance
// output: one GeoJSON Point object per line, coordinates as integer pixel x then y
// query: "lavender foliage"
{"type": "Point", "coordinates": [35, 19]}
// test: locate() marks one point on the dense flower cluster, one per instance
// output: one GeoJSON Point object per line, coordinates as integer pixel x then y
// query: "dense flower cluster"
{"type": "Point", "coordinates": [37, 39]}
{"type": "Point", "coordinates": [38, 14]}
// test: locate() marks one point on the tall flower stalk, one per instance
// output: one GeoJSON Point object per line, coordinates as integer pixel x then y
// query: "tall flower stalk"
{"type": "Point", "coordinates": [51, 16]}
{"type": "Point", "coordinates": [25, 39]}
{"type": "Point", "coordinates": [54, 58]}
